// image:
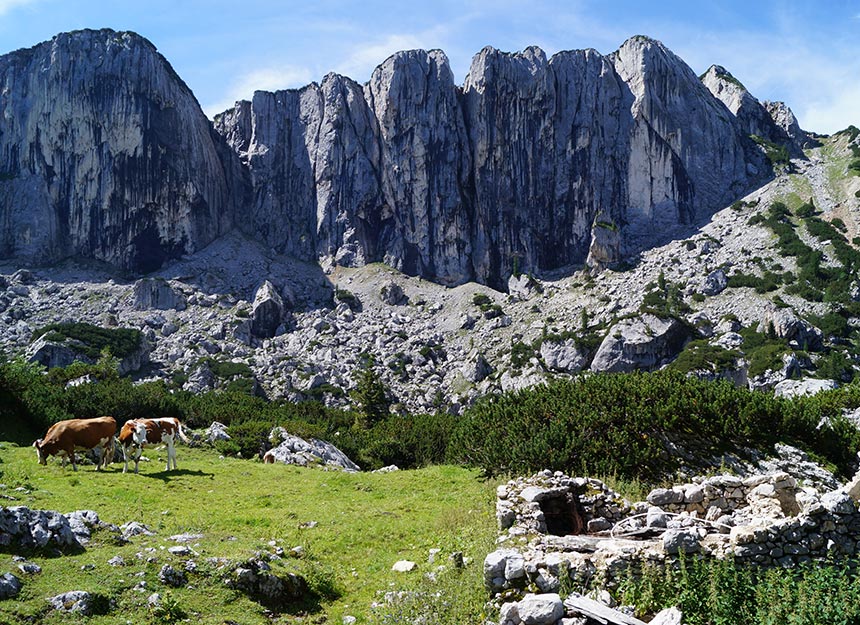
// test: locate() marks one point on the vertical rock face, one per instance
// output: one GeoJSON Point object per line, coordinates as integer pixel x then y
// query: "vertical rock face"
{"type": "Point", "coordinates": [506, 175]}
{"type": "Point", "coordinates": [105, 153]}
{"type": "Point", "coordinates": [425, 166]}
{"type": "Point", "coordinates": [784, 118]}
{"type": "Point", "coordinates": [548, 142]}
{"type": "Point", "coordinates": [687, 155]}
{"type": "Point", "coordinates": [313, 160]}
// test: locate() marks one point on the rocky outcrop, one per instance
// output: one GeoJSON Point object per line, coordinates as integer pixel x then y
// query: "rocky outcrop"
{"type": "Point", "coordinates": [294, 450]}
{"type": "Point", "coordinates": [105, 153]}
{"type": "Point", "coordinates": [784, 118]}
{"type": "Point", "coordinates": [157, 294]}
{"type": "Point", "coordinates": [642, 343]}
{"type": "Point", "coordinates": [755, 118]}
{"type": "Point", "coordinates": [267, 311]}
{"type": "Point", "coordinates": [24, 529]}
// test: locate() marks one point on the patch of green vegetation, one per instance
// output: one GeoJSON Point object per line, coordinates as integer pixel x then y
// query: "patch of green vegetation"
{"type": "Point", "coordinates": [721, 592]}
{"type": "Point", "coordinates": [664, 299]}
{"type": "Point", "coordinates": [852, 132]}
{"type": "Point", "coordinates": [347, 297]}
{"type": "Point", "coordinates": [835, 366]}
{"type": "Point", "coordinates": [91, 340]}
{"type": "Point", "coordinates": [777, 154]}
{"type": "Point", "coordinates": [702, 356]}
{"type": "Point", "coordinates": [578, 426]}
{"type": "Point", "coordinates": [765, 284]}
{"type": "Point", "coordinates": [363, 524]}
{"type": "Point", "coordinates": [487, 306]}
{"type": "Point", "coordinates": [763, 350]}
{"type": "Point", "coordinates": [521, 354]}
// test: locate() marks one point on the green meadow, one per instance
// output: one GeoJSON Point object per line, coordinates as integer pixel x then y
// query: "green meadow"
{"type": "Point", "coordinates": [351, 529]}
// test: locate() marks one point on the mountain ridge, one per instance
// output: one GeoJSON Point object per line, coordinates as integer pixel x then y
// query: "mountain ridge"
{"type": "Point", "coordinates": [504, 174]}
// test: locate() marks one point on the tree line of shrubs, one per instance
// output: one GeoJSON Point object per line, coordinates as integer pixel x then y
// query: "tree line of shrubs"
{"type": "Point", "coordinates": [609, 424]}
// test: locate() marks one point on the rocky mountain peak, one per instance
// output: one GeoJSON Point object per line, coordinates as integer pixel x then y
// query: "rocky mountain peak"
{"type": "Point", "coordinates": [502, 175]}
{"type": "Point", "coordinates": [105, 153]}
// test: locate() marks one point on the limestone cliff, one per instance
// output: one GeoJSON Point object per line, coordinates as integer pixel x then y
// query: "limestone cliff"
{"type": "Point", "coordinates": [105, 153]}
{"type": "Point", "coordinates": [507, 174]}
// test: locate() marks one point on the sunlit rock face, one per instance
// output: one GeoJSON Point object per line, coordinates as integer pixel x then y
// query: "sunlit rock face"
{"type": "Point", "coordinates": [106, 154]}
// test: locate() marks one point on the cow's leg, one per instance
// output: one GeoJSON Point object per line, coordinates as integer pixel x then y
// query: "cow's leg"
{"type": "Point", "coordinates": [110, 451]}
{"type": "Point", "coordinates": [137, 457]}
{"type": "Point", "coordinates": [171, 453]}
{"type": "Point", "coordinates": [125, 458]}
{"type": "Point", "coordinates": [72, 454]}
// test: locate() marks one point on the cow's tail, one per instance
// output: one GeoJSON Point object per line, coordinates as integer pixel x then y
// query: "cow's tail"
{"type": "Point", "coordinates": [181, 431]}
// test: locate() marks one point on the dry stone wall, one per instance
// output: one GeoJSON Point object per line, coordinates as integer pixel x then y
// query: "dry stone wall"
{"type": "Point", "coordinates": [555, 526]}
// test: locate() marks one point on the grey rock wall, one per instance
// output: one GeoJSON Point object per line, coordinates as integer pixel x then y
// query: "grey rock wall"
{"type": "Point", "coordinates": [105, 153]}
{"type": "Point", "coordinates": [507, 174]}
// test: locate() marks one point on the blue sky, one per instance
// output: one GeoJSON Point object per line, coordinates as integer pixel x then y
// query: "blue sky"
{"type": "Point", "coordinates": [806, 53]}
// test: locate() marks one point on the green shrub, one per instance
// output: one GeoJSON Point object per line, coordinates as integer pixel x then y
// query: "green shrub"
{"type": "Point", "coordinates": [92, 340]}
{"type": "Point", "coordinates": [702, 356]}
{"type": "Point", "coordinates": [721, 592]}
{"type": "Point", "coordinates": [579, 426]}
{"type": "Point", "coordinates": [777, 154]}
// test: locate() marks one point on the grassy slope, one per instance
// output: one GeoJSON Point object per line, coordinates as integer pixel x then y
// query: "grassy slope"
{"type": "Point", "coordinates": [365, 522]}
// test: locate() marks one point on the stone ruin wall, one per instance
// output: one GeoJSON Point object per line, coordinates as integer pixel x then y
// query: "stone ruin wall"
{"type": "Point", "coordinates": [554, 525]}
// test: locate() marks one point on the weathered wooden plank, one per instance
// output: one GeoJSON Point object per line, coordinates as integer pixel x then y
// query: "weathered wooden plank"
{"type": "Point", "coordinates": [599, 612]}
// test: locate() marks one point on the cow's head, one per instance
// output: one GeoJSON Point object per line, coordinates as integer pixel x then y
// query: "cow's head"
{"type": "Point", "coordinates": [43, 457]}
{"type": "Point", "coordinates": [138, 438]}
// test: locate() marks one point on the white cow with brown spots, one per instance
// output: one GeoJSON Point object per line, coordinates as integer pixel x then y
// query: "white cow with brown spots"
{"type": "Point", "coordinates": [139, 432]}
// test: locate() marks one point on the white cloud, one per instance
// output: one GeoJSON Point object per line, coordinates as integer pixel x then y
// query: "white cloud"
{"type": "Point", "coordinates": [364, 58]}
{"type": "Point", "coordinates": [263, 79]}
{"type": "Point", "coordinates": [8, 5]}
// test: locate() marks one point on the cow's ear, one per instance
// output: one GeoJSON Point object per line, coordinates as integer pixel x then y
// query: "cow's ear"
{"type": "Point", "coordinates": [37, 443]}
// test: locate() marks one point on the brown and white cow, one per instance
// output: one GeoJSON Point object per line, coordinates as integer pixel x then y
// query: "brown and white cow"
{"type": "Point", "coordinates": [139, 432]}
{"type": "Point", "coordinates": [64, 437]}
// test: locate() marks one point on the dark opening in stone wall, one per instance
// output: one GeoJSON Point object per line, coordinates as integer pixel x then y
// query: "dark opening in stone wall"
{"type": "Point", "coordinates": [563, 515]}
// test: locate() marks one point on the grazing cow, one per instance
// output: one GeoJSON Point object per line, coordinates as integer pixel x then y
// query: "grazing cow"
{"type": "Point", "coordinates": [139, 432]}
{"type": "Point", "coordinates": [64, 437]}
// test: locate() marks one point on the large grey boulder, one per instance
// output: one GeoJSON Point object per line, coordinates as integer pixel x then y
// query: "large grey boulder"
{"type": "Point", "coordinates": [267, 311]}
{"type": "Point", "coordinates": [544, 609]}
{"type": "Point", "coordinates": [157, 294]}
{"type": "Point", "coordinates": [73, 601]}
{"type": "Point", "coordinates": [392, 294]}
{"type": "Point", "coordinates": [645, 342]}
{"type": "Point", "coordinates": [605, 249]}
{"type": "Point", "coordinates": [785, 324]}
{"type": "Point", "coordinates": [52, 353]}
{"type": "Point", "coordinates": [477, 369]}
{"type": "Point", "coordinates": [677, 541]}
{"type": "Point", "coordinates": [276, 592]}
{"type": "Point", "coordinates": [291, 449]}
{"type": "Point", "coordinates": [10, 586]}
{"type": "Point", "coordinates": [566, 356]}
{"type": "Point", "coordinates": [715, 282]}
{"type": "Point", "coordinates": [806, 386]}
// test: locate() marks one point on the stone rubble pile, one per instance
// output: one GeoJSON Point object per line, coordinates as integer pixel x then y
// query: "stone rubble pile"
{"type": "Point", "coordinates": [554, 526]}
